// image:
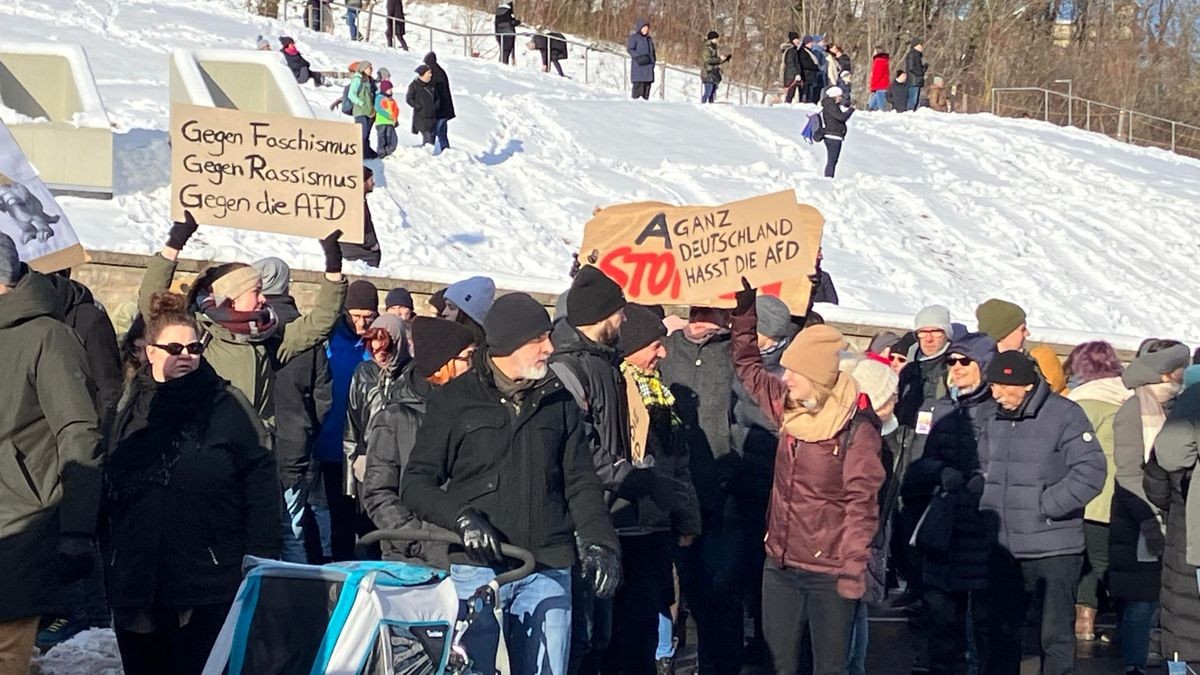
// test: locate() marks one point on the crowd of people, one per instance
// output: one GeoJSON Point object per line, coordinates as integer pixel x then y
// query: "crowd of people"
{"type": "Point", "coordinates": [743, 463]}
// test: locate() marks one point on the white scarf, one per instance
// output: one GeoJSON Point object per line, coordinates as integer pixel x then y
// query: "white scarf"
{"type": "Point", "coordinates": [1106, 390]}
{"type": "Point", "coordinates": [1151, 398]}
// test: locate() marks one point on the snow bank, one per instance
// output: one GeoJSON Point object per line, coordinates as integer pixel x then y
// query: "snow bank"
{"type": "Point", "coordinates": [93, 651]}
{"type": "Point", "coordinates": [1086, 233]}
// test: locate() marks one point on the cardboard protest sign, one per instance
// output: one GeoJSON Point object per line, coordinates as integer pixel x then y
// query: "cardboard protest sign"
{"type": "Point", "coordinates": [29, 214]}
{"type": "Point", "coordinates": [662, 254]}
{"type": "Point", "coordinates": [272, 173]}
{"type": "Point", "coordinates": [639, 421]}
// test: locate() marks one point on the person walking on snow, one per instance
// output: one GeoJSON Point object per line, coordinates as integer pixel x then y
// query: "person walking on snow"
{"type": "Point", "coordinates": [353, 7]}
{"type": "Point", "coordinates": [395, 26]}
{"type": "Point", "coordinates": [642, 59]}
{"type": "Point", "coordinates": [363, 101]}
{"type": "Point", "coordinates": [445, 100]}
{"type": "Point", "coordinates": [833, 119]}
{"type": "Point", "coordinates": [880, 68]}
{"type": "Point", "coordinates": [386, 113]}
{"type": "Point", "coordinates": [422, 97]}
{"type": "Point", "coordinates": [506, 33]}
{"type": "Point", "coordinates": [710, 74]}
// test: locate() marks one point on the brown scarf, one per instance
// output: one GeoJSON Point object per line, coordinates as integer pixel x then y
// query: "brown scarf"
{"type": "Point", "coordinates": [825, 423]}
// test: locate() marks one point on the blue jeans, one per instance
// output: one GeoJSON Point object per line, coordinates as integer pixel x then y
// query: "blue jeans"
{"type": "Point", "coordinates": [914, 97]}
{"type": "Point", "coordinates": [352, 21]}
{"type": "Point", "coordinates": [439, 132]}
{"type": "Point", "coordinates": [856, 660]}
{"type": "Point", "coordinates": [1137, 619]}
{"type": "Point", "coordinates": [666, 638]}
{"type": "Point", "coordinates": [385, 139]}
{"type": "Point", "coordinates": [295, 500]}
{"type": "Point", "coordinates": [878, 100]}
{"type": "Point", "coordinates": [710, 92]}
{"type": "Point", "coordinates": [537, 620]}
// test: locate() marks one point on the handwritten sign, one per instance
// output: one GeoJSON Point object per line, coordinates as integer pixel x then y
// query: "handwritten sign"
{"type": "Point", "coordinates": [30, 215]}
{"type": "Point", "coordinates": [639, 421]}
{"type": "Point", "coordinates": [272, 173]}
{"type": "Point", "coordinates": [662, 254]}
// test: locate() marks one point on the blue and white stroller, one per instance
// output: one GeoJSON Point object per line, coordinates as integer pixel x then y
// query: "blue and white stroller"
{"type": "Point", "coordinates": [354, 618]}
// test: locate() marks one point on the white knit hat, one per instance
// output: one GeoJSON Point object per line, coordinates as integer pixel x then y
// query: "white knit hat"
{"type": "Point", "coordinates": [934, 316]}
{"type": "Point", "coordinates": [876, 380]}
{"type": "Point", "coordinates": [833, 92]}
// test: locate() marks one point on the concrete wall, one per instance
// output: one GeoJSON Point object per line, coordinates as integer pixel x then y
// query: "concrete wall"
{"type": "Point", "coordinates": [236, 79]}
{"type": "Point", "coordinates": [54, 82]}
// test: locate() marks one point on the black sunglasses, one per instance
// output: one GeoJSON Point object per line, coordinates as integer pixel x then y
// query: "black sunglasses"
{"type": "Point", "coordinates": [959, 361]}
{"type": "Point", "coordinates": [175, 349]}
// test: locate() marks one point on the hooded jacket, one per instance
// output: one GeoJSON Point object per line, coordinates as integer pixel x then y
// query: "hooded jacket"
{"type": "Point", "coordinates": [1178, 450]}
{"type": "Point", "coordinates": [303, 397]}
{"type": "Point", "coordinates": [881, 73]}
{"type": "Point", "coordinates": [914, 65]}
{"type": "Point", "coordinates": [441, 85]}
{"type": "Point", "coordinates": [190, 488]}
{"type": "Point", "coordinates": [87, 317]}
{"type": "Point", "coordinates": [642, 56]}
{"type": "Point", "coordinates": [423, 99]}
{"type": "Point", "coordinates": [49, 473]}
{"type": "Point", "coordinates": [371, 390]}
{"type": "Point", "coordinates": [506, 23]}
{"type": "Point", "coordinates": [251, 366]}
{"type": "Point", "coordinates": [834, 118]}
{"type": "Point", "coordinates": [1174, 493]}
{"type": "Point", "coordinates": [710, 62]}
{"type": "Point", "coordinates": [525, 466]}
{"type": "Point", "coordinates": [824, 508]}
{"type": "Point", "coordinates": [1042, 465]}
{"type": "Point", "coordinates": [362, 95]}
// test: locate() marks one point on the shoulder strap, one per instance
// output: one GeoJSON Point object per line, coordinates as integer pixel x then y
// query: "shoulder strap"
{"type": "Point", "coordinates": [572, 383]}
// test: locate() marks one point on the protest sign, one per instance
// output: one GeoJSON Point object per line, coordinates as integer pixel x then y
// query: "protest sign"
{"type": "Point", "coordinates": [697, 255]}
{"type": "Point", "coordinates": [272, 173]}
{"type": "Point", "coordinates": [28, 213]}
{"type": "Point", "coordinates": [639, 421]}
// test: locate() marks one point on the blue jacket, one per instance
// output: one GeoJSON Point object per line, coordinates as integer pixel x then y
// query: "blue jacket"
{"type": "Point", "coordinates": [1042, 465]}
{"type": "Point", "coordinates": [345, 351]}
{"type": "Point", "coordinates": [641, 55]}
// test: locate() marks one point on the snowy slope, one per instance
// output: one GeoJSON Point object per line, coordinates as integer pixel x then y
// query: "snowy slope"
{"type": "Point", "coordinates": [1083, 231]}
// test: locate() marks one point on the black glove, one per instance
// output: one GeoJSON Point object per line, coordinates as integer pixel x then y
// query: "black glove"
{"type": "Point", "coordinates": [745, 298]}
{"type": "Point", "coordinates": [637, 484]}
{"type": "Point", "coordinates": [952, 479]}
{"type": "Point", "coordinates": [602, 568]}
{"type": "Point", "coordinates": [575, 266]}
{"type": "Point", "coordinates": [178, 237]}
{"type": "Point", "coordinates": [975, 484]}
{"type": "Point", "coordinates": [333, 252]}
{"type": "Point", "coordinates": [1152, 532]}
{"type": "Point", "coordinates": [727, 57]}
{"type": "Point", "coordinates": [76, 556]}
{"type": "Point", "coordinates": [480, 539]}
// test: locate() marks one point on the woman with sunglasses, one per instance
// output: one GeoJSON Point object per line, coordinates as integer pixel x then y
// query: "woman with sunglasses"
{"type": "Point", "coordinates": [443, 352]}
{"type": "Point", "coordinates": [190, 488]}
{"type": "Point", "coordinates": [950, 470]}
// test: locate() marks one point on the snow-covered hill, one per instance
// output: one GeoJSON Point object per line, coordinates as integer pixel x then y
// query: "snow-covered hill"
{"type": "Point", "coordinates": [1085, 232]}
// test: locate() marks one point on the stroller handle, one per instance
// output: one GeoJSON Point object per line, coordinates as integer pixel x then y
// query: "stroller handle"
{"type": "Point", "coordinates": [508, 550]}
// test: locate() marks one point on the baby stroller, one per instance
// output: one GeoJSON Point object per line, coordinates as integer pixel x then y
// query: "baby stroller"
{"type": "Point", "coordinates": [355, 618]}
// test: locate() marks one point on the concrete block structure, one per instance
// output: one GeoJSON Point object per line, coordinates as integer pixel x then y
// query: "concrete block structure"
{"type": "Point", "coordinates": [53, 108]}
{"type": "Point", "coordinates": [247, 80]}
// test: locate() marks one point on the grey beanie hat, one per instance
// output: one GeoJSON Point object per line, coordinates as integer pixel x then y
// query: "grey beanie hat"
{"type": "Point", "coordinates": [774, 317]}
{"type": "Point", "coordinates": [934, 316]}
{"type": "Point", "coordinates": [11, 269]}
{"type": "Point", "coordinates": [473, 296]}
{"type": "Point", "coordinates": [276, 275]}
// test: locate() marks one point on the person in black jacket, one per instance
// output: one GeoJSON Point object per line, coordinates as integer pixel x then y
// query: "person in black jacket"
{"type": "Point", "coordinates": [506, 32]}
{"type": "Point", "coordinates": [833, 119]}
{"type": "Point", "coordinates": [951, 471]}
{"type": "Point", "coordinates": [914, 65]}
{"type": "Point", "coordinates": [553, 48]}
{"type": "Point", "coordinates": [422, 97]}
{"type": "Point", "coordinates": [303, 395]}
{"type": "Point", "coordinates": [443, 352]}
{"type": "Point", "coordinates": [897, 93]}
{"type": "Point", "coordinates": [445, 100]}
{"type": "Point", "coordinates": [300, 67]}
{"type": "Point", "coordinates": [191, 488]}
{"type": "Point", "coordinates": [395, 26]}
{"type": "Point", "coordinates": [793, 72]}
{"type": "Point", "coordinates": [501, 456]}
{"type": "Point", "coordinates": [810, 70]}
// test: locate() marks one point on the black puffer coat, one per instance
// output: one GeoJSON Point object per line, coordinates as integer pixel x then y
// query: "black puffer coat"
{"type": "Point", "coordinates": [371, 389]}
{"type": "Point", "coordinates": [87, 317]}
{"type": "Point", "coordinates": [191, 488]}
{"type": "Point", "coordinates": [1180, 615]}
{"type": "Point", "coordinates": [954, 443]}
{"type": "Point", "coordinates": [303, 394]}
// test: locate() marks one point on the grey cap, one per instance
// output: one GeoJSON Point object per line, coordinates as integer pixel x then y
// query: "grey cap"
{"type": "Point", "coordinates": [774, 317]}
{"type": "Point", "coordinates": [11, 269]}
{"type": "Point", "coordinates": [276, 275]}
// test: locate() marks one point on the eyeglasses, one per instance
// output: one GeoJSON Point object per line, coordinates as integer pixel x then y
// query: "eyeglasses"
{"type": "Point", "coordinates": [959, 361]}
{"type": "Point", "coordinates": [175, 349]}
{"type": "Point", "coordinates": [929, 332]}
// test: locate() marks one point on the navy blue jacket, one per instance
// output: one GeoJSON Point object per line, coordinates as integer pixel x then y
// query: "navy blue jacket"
{"type": "Point", "coordinates": [642, 56]}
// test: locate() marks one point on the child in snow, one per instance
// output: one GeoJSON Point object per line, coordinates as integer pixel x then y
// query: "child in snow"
{"type": "Point", "coordinates": [299, 65]}
{"type": "Point", "coordinates": [898, 92]}
{"type": "Point", "coordinates": [422, 97]}
{"type": "Point", "coordinates": [386, 112]}
{"type": "Point", "coordinates": [833, 120]}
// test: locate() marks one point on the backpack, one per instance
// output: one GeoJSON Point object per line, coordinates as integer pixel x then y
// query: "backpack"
{"type": "Point", "coordinates": [347, 104]}
{"type": "Point", "coordinates": [814, 130]}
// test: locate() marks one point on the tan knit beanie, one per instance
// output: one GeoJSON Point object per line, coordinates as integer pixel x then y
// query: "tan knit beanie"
{"type": "Point", "coordinates": [814, 354]}
{"type": "Point", "coordinates": [235, 282]}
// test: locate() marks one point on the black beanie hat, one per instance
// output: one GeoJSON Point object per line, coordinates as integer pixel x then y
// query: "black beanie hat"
{"type": "Point", "coordinates": [436, 341]}
{"type": "Point", "coordinates": [593, 297]}
{"type": "Point", "coordinates": [362, 295]}
{"type": "Point", "coordinates": [513, 320]}
{"type": "Point", "coordinates": [398, 297]}
{"type": "Point", "coordinates": [793, 36]}
{"type": "Point", "coordinates": [713, 35]}
{"type": "Point", "coordinates": [1012, 368]}
{"type": "Point", "coordinates": [641, 327]}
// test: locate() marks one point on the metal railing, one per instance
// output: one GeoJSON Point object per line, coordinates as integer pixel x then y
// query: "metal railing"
{"type": "Point", "coordinates": [1122, 124]}
{"type": "Point", "coordinates": [744, 93]}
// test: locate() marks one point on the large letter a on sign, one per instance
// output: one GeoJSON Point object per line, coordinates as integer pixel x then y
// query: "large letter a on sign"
{"type": "Point", "coordinates": [657, 227]}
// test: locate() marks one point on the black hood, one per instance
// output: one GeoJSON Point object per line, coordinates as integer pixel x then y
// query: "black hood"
{"type": "Point", "coordinates": [430, 59]}
{"type": "Point", "coordinates": [32, 297]}
{"type": "Point", "coordinates": [568, 340]}
{"type": "Point", "coordinates": [285, 308]}
{"type": "Point", "coordinates": [71, 294]}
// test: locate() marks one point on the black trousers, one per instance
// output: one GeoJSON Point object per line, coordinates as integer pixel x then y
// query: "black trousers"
{"type": "Point", "coordinates": [833, 150]}
{"type": "Point", "coordinates": [171, 649]}
{"type": "Point", "coordinates": [712, 582]}
{"type": "Point", "coordinates": [507, 44]}
{"type": "Point", "coordinates": [795, 601]}
{"type": "Point", "coordinates": [647, 590]}
{"type": "Point", "coordinates": [1048, 584]}
{"type": "Point", "coordinates": [343, 512]}
{"type": "Point", "coordinates": [793, 89]}
{"type": "Point", "coordinates": [642, 90]}
{"type": "Point", "coordinates": [947, 616]}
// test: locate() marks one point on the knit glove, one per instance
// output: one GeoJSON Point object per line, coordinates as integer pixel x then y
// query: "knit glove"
{"type": "Point", "coordinates": [745, 298]}
{"type": "Point", "coordinates": [178, 237]}
{"type": "Point", "coordinates": [480, 539]}
{"type": "Point", "coordinates": [76, 556]}
{"type": "Point", "coordinates": [333, 252]}
{"type": "Point", "coordinates": [1156, 543]}
{"type": "Point", "coordinates": [952, 479]}
{"type": "Point", "coordinates": [601, 566]}
{"type": "Point", "coordinates": [975, 484]}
